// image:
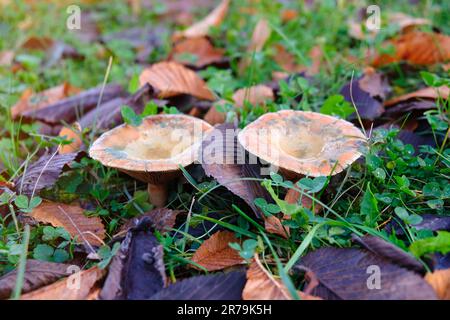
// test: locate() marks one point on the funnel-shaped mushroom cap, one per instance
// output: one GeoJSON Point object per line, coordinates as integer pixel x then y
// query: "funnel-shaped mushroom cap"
{"type": "Point", "coordinates": [153, 151]}
{"type": "Point", "coordinates": [303, 143]}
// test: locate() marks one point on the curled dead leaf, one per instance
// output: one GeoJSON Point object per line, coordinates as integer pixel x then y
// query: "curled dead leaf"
{"type": "Point", "coordinates": [342, 274]}
{"type": "Point", "coordinates": [73, 134]}
{"type": "Point", "coordinates": [162, 219]}
{"type": "Point", "coordinates": [416, 47]}
{"type": "Point", "coordinates": [137, 271]}
{"type": "Point", "coordinates": [43, 173]}
{"type": "Point", "coordinates": [405, 22]}
{"type": "Point", "coordinates": [88, 230]}
{"type": "Point", "coordinates": [172, 79]}
{"type": "Point", "coordinates": [37, 43]}
{"type": "Point", "coordinates": [293, 196]}
{"type": "Point", "coordinates": [197, 52]}
{"type": "Point", "coordinates": [288, 63]}
{"type": "Point", "coordinates": [216, 254]}
{"type": "Point", "coordinates": [255, 95]}
{"type": "Point", "coordinates": [288, 15]}
{"type": "Point", "coordinates": [440, 281]}
{"type": "Point", "coordinates": [69, 108]}
{"type": "Point", "coordinates": [286, 60]}
{"type": "Point", "coordinates": [426, 93]}
{"type": "Point", "coordinates": [218, 286]}
{"type": "Point", "coordinates": [201, 28]}
{"type": "Point", "coordinates": [37, 274]}
{"type": "Point", "coordinates": [260, 35]}
{"type": "Point", "coordinates": [262, 285]}
{"type": "Point", "coordinates": [221, 157]}
{"type": "Point", "coordinates": [30, 102]}
{"type": "Point", "coordinates": [273, 225]}
{"type": "Point", "coordinates": [367, 93]}
{"type": "Point", "coordinates": [67, 290]}
{"type": "Point", "coordinates": [214, 116]}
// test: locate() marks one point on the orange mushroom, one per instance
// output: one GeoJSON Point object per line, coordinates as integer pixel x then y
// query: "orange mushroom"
{"type": "Point", "coordinates": [303, 143]}
{"type": "Point", "coordinates": [153, 151]}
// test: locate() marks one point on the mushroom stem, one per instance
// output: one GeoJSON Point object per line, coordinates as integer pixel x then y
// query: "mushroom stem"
{"type": "Point", "coordinates": [157, 194]}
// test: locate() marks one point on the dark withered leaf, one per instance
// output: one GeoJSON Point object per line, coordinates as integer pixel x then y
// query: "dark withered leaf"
{"type": "Point", "coordinates": [368, 93]}
{"type": "Point", "coordinates": [225, 160]}
{"type": "Point", "coordinates": [408, 106]}
{"type": "Point", "coordinates": [137, 270]}
{"type": "Point", "coordinates": [389, 251]}
{"type": "Point", "coordinates": [37, 274]}
{"type": "Point", "coordinates": [431, 222]}
{"type": "Point", "coordinates": [105, 116]}
{"type": "Point", "coordinates": [69, 109]}
{"type": "Point", "coordinates": [162, 219]}
{"type": "Point", "coordinates": [142, 39]}
{"type": "Point", "coordinates": [108, 114]}
{"type": "Point", "coordinates": [43, 173]}
{"type": "Point", "coordinates": [441, 261]}
{"type": "Point", "coordinates": [343, 273]}
{"type": "Point", "coordinates": [59, 51]}
{"type": "Point", "coordinates": [222, 286]}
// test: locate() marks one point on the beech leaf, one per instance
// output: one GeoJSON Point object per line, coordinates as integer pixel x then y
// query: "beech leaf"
{"type": "Point", "coordinates": [216, 254]}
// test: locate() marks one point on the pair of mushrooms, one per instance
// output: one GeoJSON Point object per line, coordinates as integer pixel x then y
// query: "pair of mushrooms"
{"type": "Point", "coordinates": [299, 143]}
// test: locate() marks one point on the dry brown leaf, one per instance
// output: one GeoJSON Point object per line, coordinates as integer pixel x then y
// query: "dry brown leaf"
{"type": "Point", "coordinates": [37, 274]}
{"type": "Point", "coordinates": [70, 288]}
{"type": "Point", "coordinates": [279, 75]}
{"type": "Point", "coordinates": [32, 102]}
{"type": "Point", "coordinates": [316, 55]}
{"type": "Point", "coordinates": [355, 30]}
{"type": "Point", "coordinates": [273, 225]}
{"type": "Point", "coordinates": [195, 112]}
{"type": "Point", "coordinates": [71, 218]}
{"type": "Point", "coordinates": [288, 62]}
{"type": "Point", "coordinates": [214, 116]}
{"type": "Point", "coordinates": [37, 43]}
{"type": "Point", "coordinates": [260, 35]}
{"type": "Point", "coordinates": [6, 57]}
{"type": "Point", "coordinates": [216, 254]}
{"type": "Point", "coordinates": [200, 49]}
{"type": "Point", "coordinates": [261, 285]}
{"type": "Point", "coordinates": [255, 95]}
{"type": "Point", "coordinates": [74, 134]}
{"type": "Point", "coordinates": [288, 15]}
{"type": "Point", "coordinates": [292, 197]}
{"type": "Point", "coordinates": [163, 220]}
{"type": "Point", "coordinates": [440, 281]}
{"type": "Point", "coordinates": [201, 28]}
{"type": "Point", "coordinates": [426, 93]}
{"type": "Point", "coordinates": [43, 173]}
{"type": "Point", "coordinates": [407, 23]}
{"type": "Point", "coordinates": [416, 47]}
{"type": "Point", "coordinates": [172, 79]}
